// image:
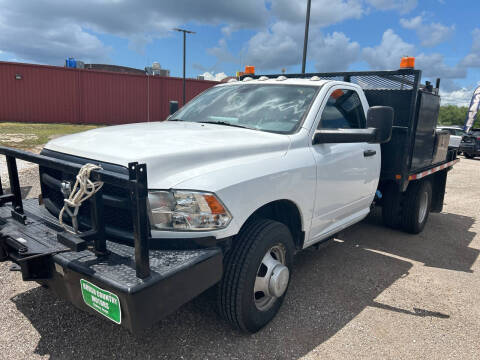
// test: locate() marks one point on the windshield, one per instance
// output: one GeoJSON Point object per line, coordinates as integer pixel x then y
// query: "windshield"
{"type": "Point", "coordinates": [276, 108]}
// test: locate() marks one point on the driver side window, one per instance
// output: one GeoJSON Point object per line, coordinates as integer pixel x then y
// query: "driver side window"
{"type": "Point", "coordinates": [343, 110]}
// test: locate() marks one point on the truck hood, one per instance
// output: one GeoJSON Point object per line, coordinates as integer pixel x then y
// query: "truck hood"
{"type": "Point", "coordinates": [173, 151]}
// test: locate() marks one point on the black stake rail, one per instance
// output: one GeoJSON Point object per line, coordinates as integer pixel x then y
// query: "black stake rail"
{"type": "Point", "coordinates": [387, 74]}
{"type": "Point", "coordinates": [135, 181]}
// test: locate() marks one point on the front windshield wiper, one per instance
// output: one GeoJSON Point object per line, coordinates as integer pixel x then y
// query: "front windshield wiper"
{"type": "Point", "coordinates": [225, 123]}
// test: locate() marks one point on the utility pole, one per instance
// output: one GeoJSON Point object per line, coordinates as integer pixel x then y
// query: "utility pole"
{"type": "Point", "coordinates": [185, 32]}
{"type": "Point", "coordinates": [305, 40]}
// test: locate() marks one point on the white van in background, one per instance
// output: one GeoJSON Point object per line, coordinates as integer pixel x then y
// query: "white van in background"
{"type": "Point", "coordinates": [456, 135]}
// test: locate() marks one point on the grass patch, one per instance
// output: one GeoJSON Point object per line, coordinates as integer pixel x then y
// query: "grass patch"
{"type": "Point", "coordinates": [27, 136]}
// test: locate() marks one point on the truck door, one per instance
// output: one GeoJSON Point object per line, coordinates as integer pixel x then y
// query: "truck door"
{"type": "Point", "coordinates": [347, 174]}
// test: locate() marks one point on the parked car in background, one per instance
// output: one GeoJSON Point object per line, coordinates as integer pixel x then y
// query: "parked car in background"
{"type": "Point", "coordinates": [470, 144]}
{"type": "Point", "coordinates": [456, 135]}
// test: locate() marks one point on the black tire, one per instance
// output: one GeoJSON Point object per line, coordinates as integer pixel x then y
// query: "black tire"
{"type": "Point", "coordinates": [418, 196]}
{"type": "Point", "coordinates": [392, 202]}
{"type": "Point", "coordinates": [469, 156]}
{"type": "Point", "coordinates": [236, 289]}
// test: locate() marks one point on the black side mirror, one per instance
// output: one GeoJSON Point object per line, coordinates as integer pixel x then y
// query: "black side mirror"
{"type": "Point", "coordinates": [381, 118]}
{"type": "Point", "coordinates": [173, 107]}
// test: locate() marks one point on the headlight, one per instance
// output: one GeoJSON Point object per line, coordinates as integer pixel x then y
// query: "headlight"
{"type": "Point", "coordinates": [187, 210]}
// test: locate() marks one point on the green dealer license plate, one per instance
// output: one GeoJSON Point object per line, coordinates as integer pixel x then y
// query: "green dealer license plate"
{"type": "Point", "coordinates": [105, 302]}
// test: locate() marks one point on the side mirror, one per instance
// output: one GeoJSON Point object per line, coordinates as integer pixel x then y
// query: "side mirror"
{"type": "Point", "coordinates": [378, 131]}
{"type": "Point", "coordinates": [381, 118]}
{"type": "Point", "coordinates": [173, 107]}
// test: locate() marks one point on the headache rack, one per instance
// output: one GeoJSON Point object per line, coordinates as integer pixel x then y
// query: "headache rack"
{"type": "Point", "coordinates": [412, 147]}
{"type": "Point", "coordinates": [135, 182]}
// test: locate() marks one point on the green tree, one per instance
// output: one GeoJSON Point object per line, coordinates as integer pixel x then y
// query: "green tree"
{"type": "Point", "coordinates": [452, 115]}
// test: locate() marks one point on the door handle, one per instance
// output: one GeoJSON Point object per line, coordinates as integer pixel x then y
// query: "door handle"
{"type": "Point", "coordinates": [369, 152]}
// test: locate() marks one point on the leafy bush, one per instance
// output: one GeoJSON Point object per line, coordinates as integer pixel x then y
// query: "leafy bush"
{"type": "Point", "coordinates": [452, 115]}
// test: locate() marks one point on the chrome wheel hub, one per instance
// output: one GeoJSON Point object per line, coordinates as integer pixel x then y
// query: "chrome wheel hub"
{"type": "Point", "coordinates": [272, 278]}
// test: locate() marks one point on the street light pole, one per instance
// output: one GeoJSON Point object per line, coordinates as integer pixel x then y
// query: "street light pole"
{"type": "Point", "coordinates": [305, 40]}
{"type": "Point", "coordinates": [185, 32]}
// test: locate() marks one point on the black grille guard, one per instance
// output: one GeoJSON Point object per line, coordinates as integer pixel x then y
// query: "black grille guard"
{"type": "Point", "coordinates": [135, 180]}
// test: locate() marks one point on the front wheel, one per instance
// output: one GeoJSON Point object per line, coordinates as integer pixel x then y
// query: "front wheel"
{"type": "Point", "coordinates": [469, 156]}
{"type": "Point", "coordinates": [257, 274]}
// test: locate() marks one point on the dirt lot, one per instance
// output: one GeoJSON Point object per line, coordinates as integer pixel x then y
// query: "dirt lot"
{"type": "Point", "coordinates": [373, 293]}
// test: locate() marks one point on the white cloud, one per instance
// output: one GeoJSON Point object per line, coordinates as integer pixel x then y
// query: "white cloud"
{"type": "Point", "coordinates": [429, 34]}
{"type": "Point", "coordinates": [47, 31]}
{"type": "Point", "coordinates": [413, 23]}
{"type": "Point", "coordinates": [403, 6]}
{"type": "Point", "coordinates": [214, 77]}
{"type": "Point", "coordinates": [473, 58]}
{"type": "Point", "coordinates": [387, 55]}
{"type": "Point", "coordinates": [322, 13]}
{"type": "Point", "coordinates": [277, 47]}
{"type": "Point", "coordinates": [335, 52]}
{"type": "Point", "coordinates": [53, 46]}
{"type": "Point", "coordinates": [281, 46]}
{"type": "Point", "coordinates": [221, 52]}
{"type": "Point", "coordinates": [459, 97]}
{"type": "Point", "coordinates": [433, 65]}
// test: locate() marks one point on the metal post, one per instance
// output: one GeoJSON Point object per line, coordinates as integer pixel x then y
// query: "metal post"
{"type": "Point", "coordinates": [14, 184]}
{"type": "Point", "coordinates": [305, 40]}
{"type": "Point", "coordinates": [185, 32]}
{"type": "Point", "coordinates": [4, 198]}
{"type": "Point", "coordinates": [141, 232]}
{"type": "Point", "coordinates": [184, 61]}
{"type": "Point", "coordinates": [98, 223]}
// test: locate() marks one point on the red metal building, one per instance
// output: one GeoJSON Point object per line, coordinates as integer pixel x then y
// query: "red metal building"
{"type": "Point", "coordinates": [51, 94]}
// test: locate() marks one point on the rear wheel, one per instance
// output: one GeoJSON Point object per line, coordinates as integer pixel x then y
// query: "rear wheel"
{"type": "Point", "coordinates": [417, 206]}
{"type": "Point", "coordinates": [469, 156]}
{"type": "Point", "coordinates": [256, 276]}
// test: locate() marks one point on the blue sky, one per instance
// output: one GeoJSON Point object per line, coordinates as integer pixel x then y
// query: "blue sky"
{"type": "Point", "coordinates": [444, 35]}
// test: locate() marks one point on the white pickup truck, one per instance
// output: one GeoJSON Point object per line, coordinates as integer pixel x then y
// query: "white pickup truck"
{"type": "Point", "coordinates": [239, 179]}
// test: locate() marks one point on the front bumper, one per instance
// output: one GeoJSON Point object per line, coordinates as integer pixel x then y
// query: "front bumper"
{"type": "Point", "coordinates": [176, 277]}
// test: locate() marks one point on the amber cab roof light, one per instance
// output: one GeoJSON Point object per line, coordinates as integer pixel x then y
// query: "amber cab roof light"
{"type": "Point", "coordinates": [407, 62]}
{"type": "Point", "coordinates": [250, 70]}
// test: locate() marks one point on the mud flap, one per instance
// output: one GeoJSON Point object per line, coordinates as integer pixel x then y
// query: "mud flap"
{"type": "Point", "coordinates": [439, 183]}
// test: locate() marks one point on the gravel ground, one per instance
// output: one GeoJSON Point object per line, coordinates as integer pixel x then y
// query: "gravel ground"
{"type": "Point", "coordinates": [374, 293]}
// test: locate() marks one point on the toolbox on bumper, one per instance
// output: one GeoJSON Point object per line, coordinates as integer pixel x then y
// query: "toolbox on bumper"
{"type": "Point", "coordinates": [176, 276]}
